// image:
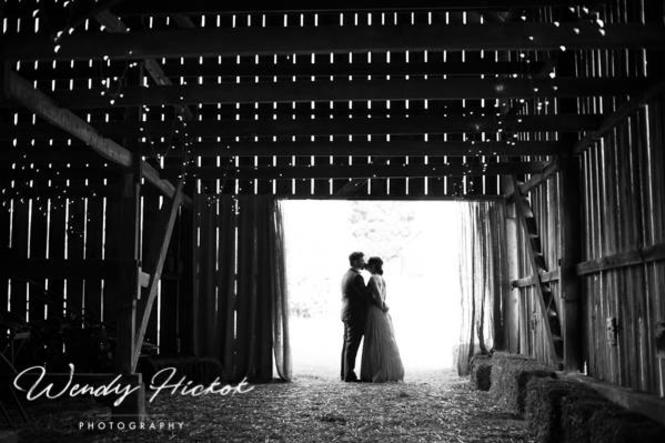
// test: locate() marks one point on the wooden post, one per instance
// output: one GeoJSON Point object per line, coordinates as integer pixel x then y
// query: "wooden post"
{"type": "Point", "coordinates": [570, 232]}
{"type": "Point", "coordinates": [571, 244]}
{"type": "Point", "coordinates": [123, 289]}
{"type": "Point", "coordinates": [154, 260]}
{"type": "Point", "coordinates": [512, 295]}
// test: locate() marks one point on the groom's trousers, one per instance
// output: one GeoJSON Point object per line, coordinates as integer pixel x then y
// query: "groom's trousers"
{"type": "Point", "coordinates": [353, 333]}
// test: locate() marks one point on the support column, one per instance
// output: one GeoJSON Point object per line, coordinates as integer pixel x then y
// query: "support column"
{"type": "Point", "coordinates": [571, 252]}
{"type": "Point", "coordinates": [123, 290]}
{"type": "Point", "coordinates": [511, 301]}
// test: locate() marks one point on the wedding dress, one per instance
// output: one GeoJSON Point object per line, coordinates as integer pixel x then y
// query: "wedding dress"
{"type": "Point", "coordinates": [380, 359]}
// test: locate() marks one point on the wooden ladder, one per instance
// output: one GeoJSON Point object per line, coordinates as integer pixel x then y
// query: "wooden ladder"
{"type": "Point", "coordinates": [545, 297]}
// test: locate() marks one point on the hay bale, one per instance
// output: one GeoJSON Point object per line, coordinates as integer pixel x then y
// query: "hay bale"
{"type": "Point", "coordinates": [617, 425]}
{"type": "Point", "coordinates": [481, 372]}
{"type": "Point", "coordinates": [575, 415]}
{"type": "Point", "coordinates": [509, 378]}
{"type": "Point", "coordinates": [542, 407]}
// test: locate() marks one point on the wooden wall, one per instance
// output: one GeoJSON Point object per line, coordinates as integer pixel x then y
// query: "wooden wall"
{"type": "Point", "coordinates": [622, 192]}
{"type": "Point", "coordinates": [57, 261]}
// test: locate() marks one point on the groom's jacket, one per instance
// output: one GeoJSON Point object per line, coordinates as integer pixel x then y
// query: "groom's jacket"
{"type": "Point", "coordinates": [355, 295]}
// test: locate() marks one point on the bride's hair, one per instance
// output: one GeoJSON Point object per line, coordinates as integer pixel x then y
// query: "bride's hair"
{"type": "Point", "coordinates": [377, 263]}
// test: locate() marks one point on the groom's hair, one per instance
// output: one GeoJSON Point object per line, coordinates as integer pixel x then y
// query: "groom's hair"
{"type": "Point", "coordinates": [355, 256]}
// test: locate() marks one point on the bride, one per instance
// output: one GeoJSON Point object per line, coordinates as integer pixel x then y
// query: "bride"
{"type": "Point", "coordinates": [380, 360]}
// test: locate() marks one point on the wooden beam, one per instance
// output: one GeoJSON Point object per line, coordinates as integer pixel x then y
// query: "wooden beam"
{"type": "Point", "coordinates": [335, 39]}
{"type": "Point", "coordinates": [539, 178]}
{"type": "Point", "coordinates": [545, 277]}
{"type": "Point", "coordinates": [619, 116]}
{"type": "Point", "coordinates": [115, 24]}
{"type": "Point", "coordinates": [22, 91]}
{"type": "Point", "coordinates": [571, 243]}
{"type": "Point", "coordinates": [345, 90]}
{"type": "Point", "coordinates": [394, 148]}
{"type": "Point", "coordinates": [159, 7]}
{"type": "Point", "coordinates": [361, 125]}
{"type": "Point", "coordinates": [77, 17]}
{"type": "Point", "coordinates": [124, 288]}
{"type": "Point", "coordinates": [359, 171]}
{"type": "Point", "coordinates": [431, 124]}
{"type": "Point", "coordinates": [324, 170]}
{"type": "Point", "coordinates": [22, 268]}
{"type": "Point", "coordinates": [636, 257]}
{"type": "Point", "coordinates": [161, 240]}
{"type": "Point", "coordinates": [385, 197]}
{"type": "Point", "coordinates": [639, 402]}
{"type": "Point", "coordinates": [79, 157]}
{"type": "Point", "coordinates": [266, 70]}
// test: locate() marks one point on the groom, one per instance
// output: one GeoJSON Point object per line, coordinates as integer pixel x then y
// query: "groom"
{"type": "Point", "coordinates": [355, 295]}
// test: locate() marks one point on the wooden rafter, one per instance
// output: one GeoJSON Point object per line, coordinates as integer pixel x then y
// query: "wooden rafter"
{"type": "Point", "coordinates": [326, 90]}
{"type": "Point", "coordinates": [22, 91]}
{"type": "Point", "coordinates": [238, 6]}
{"type": "Point", "coordinates": [114, 24]}
{"type": "Point", "coordinates": [619, 116]}
{"type": "Point", "coordinates": [539, 178]}
{"type": "Point", "coordinates": [415, 125]}
{"type": "Point", "coordinates": [376, 149]}
{"type": "Point", "coordinates": [635, 257]}
{"type": "Point", "coordinates": [157, 250]}
{"type": "Point", "coordinates": [303, 67]}
{"type": "Point", "coordinates": [251, 41]}
{"type": "Point", "coordinates": [320, 171]}
{"type": "Point", "coordinates": [361, 171]}
{"type": "Point", "coordinates": [78, 155]}
{"type": "Point", "coordinates": [82, 11]}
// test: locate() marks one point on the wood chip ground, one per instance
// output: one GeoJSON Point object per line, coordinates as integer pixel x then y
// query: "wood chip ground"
{"type": "Point", "coordinates": [428, 407]}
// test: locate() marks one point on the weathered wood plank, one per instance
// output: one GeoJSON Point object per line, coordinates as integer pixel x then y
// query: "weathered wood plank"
{"type": "Point", "coordinates": [635, 257]}
{"type": "Point", "coordinates": [330, 7]}
{"type": "Point", "coordinates": [22, 91]}
{"type": "Point", "coordinates": [221, 41]}
{"type": "Point", "coordinates": [639, 402]}
{"type": "Point", "coordinates": [570, 253]}
{"type": "Point", "coordinates": [363, 171]}
{"type": "Point", "coordinates": [356, 90]}
{"type": "Point", "coordinates": [160, 247]}
{"type": "Point", "coordinates": [545, 277]}
{"type": "Point", "coordinates": [246, 68]}
{"type": "Point", "coordinates": [620, 115]}
{"type": "Point", "coordinates": [122, 290]}
{"type": "Point", "coordinates": [285, 126]}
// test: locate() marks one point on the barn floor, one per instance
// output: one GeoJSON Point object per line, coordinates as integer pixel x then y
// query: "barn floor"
{"type": "Point", "coordinates": [435, 406]}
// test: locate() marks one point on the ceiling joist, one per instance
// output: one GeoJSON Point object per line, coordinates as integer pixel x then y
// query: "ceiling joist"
{"type": "Point", "coordinates": [336, 39]}
{"type": "Point", "coordinates": [357, 90]}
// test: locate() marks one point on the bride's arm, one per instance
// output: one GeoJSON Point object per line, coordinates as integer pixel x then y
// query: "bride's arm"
{"type": "Point", "coordinates": [375, 294]}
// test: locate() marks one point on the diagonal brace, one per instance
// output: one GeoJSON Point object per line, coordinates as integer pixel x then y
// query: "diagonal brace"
{"type": "Point", "coordinates": [162, 240]}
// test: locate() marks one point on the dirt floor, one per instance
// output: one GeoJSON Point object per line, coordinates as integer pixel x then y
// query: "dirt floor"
{"type": "Point", "coordinates": [436, 406]}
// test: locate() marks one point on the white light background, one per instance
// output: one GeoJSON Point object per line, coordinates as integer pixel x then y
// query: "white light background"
{"type": "Point", "coordinates": [422, 283]}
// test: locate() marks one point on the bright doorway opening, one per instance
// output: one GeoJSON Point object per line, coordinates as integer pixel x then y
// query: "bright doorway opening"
{"type": "Point", "coordinates": [419, 243]}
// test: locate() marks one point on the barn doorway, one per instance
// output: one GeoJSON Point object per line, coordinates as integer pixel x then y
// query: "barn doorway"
{"type": "Point", "coordinates": [419, 243]}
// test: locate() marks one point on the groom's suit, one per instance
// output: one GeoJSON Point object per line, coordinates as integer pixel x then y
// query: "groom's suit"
{"type": "Point", "coordinates": [355, 300]}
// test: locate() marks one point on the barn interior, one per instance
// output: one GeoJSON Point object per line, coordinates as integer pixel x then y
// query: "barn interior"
{"type": "Point", "coordinates": [147, 147]}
